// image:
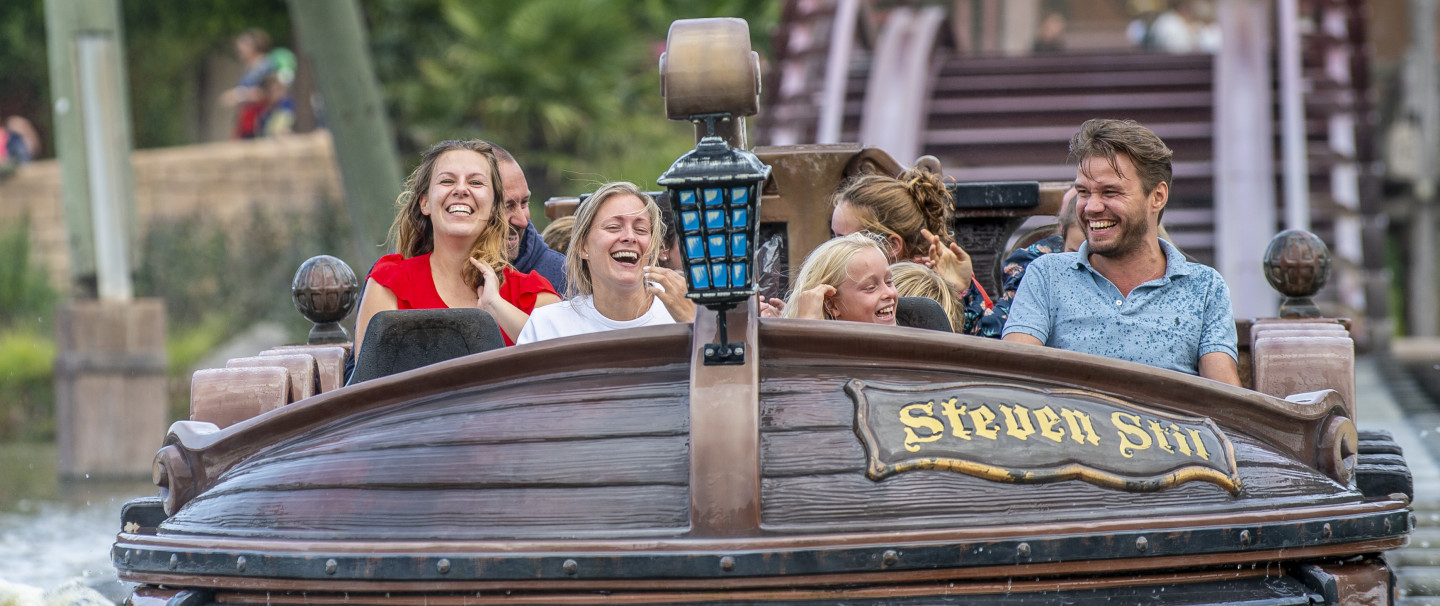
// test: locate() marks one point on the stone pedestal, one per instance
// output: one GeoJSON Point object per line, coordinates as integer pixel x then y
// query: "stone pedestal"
{"type": "Point", "coordinates": [110, 397]}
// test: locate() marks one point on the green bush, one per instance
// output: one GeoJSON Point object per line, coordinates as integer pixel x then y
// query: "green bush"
{"type": "Point", "coordinates": [27, 385]}
{"type": "Point", "coordinates": [26, 296]}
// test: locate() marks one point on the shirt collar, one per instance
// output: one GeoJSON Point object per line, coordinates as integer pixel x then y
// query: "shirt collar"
{"type": "Point", "coordinates": [1175, 263]}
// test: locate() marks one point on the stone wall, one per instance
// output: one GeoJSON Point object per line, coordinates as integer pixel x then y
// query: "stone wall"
{"type": "Point", "coordinates": [221, 181]}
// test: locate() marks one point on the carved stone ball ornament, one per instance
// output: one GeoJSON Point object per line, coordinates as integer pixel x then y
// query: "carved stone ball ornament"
{"type": "Point", "coordinates": [325, 291]}
{"type": "Point", "coordinates": [1297, 264]}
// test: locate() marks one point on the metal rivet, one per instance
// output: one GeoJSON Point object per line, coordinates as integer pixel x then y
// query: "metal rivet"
{"type": "Point", "coordinates": [890, 557]}
{"type": "Point", "coordinates": [727, 563]}
{"type": "Point", "coordinates": [739, 351]}
{"type": "Point", "coordinates": [1327, 531]}
{"type": "Point", "coordinates": [709, 351]}
{"type": "Point", "coordinates": [1141, 544]}
{"type": "Point", "coordinates": [570, 567]}
{"type": "Point", "coordinates": [1023, 550]}
{"type": "Point", "coordinates": [331, 566]}
{"type": "Point", "coordinates": [240, 563]}
{"type": "Point", "coordinates": [174, 561]}
{"type": "Point", "coordinates": [1244, 537]}
{"type": "Point", "coordinates": [443, 566]}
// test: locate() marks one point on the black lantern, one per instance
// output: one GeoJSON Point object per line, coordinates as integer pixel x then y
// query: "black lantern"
{"type": "Point", "coordinates": [715, 192]}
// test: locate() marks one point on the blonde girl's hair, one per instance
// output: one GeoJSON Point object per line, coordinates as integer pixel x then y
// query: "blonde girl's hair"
{"type": "Point", "coordinates": [577, 269]}
{"type": "Point", "coordinates": [829, 264]}
{"type": "Point", "coordinates": [915, 280]}
{"type": "Point", "coordinates": [901, 207]}
{"type": "Point", "coordinates": [412, 233]}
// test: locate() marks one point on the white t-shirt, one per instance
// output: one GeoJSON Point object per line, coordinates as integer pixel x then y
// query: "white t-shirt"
{"type": "Point", "coordinates": [578, 316]}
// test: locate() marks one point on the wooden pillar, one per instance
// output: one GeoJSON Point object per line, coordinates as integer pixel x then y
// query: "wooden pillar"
{"type": "Point", "coordinates": [1244, 155]}
{"type": "Point", "coordinates": [92, 139]}
{"type": "Point", "coordinates": [110, 396]}
{"type": "Point", "coordinates": [334, 38]}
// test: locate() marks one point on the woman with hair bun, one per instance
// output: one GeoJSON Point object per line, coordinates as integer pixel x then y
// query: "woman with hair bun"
{"type": "Point", "coordinates": [911, 214]}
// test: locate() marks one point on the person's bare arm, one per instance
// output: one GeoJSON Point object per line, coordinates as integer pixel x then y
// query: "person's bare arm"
{"type": "Point", "coordinates": [1020, 337]}
{"type": "Point", "coordinates": [510, 318]}
{"type": "Point", "coordinates": [376, 299]}
{"type": "Point", "coordinates": [1219, 366]}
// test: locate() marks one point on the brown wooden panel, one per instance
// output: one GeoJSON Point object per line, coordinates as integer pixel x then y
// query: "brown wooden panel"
{"type": "Point", "coordinates": [630, 461]}
{"type": "Point", "coordinates": [446, 513]}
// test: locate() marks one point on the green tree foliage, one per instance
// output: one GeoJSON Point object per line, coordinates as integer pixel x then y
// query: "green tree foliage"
{"type": "Point", "coordinates": [571, 88]}
{"type": "Point", "coordinates": [24, 74]}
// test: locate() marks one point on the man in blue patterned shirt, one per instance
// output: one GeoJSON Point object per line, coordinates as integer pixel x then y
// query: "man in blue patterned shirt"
{"type": "Point", "coordinates": [1126, 293]}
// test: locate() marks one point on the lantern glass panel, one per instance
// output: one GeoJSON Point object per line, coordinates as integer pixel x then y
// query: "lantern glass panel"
{"type": "Point", "coordinates": [690, 220]}
{"type": "Point", "coordinates": [738, 276]}
{"type": "Point", "coordinates": [714, 219]}
{"type": "Point", "coordinates": [737, 245]}
{"type": "Point", "coordinates": [719, 273]}
{"type": "Point", "coordinates": [686, 196]}
{"type": "Point", "coordinates": [698, 276]}
{"type": "Point", "coordinates": [714, 196]}
{"type": "Point", "coordinates": [694, 247]}
{"type": "Point", "coordinates": [739, 195]}
{"type": "Point", "coordinates": [738, 218]}
{"type": "Point", "coordinates": [717, 246]}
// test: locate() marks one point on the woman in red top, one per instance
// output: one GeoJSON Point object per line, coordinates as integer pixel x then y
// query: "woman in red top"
{"type": "Point", "coordinates": [450, 235]}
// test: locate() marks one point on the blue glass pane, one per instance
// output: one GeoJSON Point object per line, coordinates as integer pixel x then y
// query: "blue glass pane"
{"type": "Point", "coordinates": [737, 245]}
{"type": "Point", "coordinates": [714, 196]}
{"type": "Point", "coordinates": [717, 246]}
{"type": "Point", "coordinates": [737, 275]}
{"type": "Point", "coordinates": [699, 278]}
{"type": "Point", "coordinates": [717, 271]}
{"type": "Point", "coordinates": [714, 219]}
{"type": "Point", "coordinates": [687, 196]}
{"type": "Point", "coordinates": [694, 247]}
{"type": "Point", "coordinates": [739, 195]}
{"type": "Point", "coordinates": [738, 216]}
{"type": "Point", "coordinates": [690, 220]}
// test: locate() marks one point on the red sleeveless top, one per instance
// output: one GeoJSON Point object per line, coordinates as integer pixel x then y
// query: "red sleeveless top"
{"type": "Point", "coordinates": [414, 287]}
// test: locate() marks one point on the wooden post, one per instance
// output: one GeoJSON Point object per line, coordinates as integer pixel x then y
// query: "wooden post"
{"type": "Point", "coordinates": [110, 396]}
{"type": "Point", "coordinates": [1244, 155]}
{"type": "Point", "coordinates": [331, 33]}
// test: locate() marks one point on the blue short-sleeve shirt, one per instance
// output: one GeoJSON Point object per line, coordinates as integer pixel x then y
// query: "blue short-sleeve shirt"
{"type": "Point", "coordinates": [1168, 322]}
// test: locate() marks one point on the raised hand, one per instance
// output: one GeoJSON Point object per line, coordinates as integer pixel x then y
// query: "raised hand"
{"type": "Point", "coordinates": [771, 308]}
{"type": "Point", "coordinates": [669, 286]}
{"type": "Point", "coordinates": [811, 303]}
{"type": "Point", "coordinates": [951, 262]}
{"type": "Point", "coordinates": [487, 294]}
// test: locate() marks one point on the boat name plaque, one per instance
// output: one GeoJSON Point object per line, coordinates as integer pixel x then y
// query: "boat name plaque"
{"type": "Point", "coordinates": [1012, 433]}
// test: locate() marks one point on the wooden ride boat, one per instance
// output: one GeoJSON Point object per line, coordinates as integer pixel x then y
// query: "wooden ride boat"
{"type": "Point", "coordinates": [837, 463]}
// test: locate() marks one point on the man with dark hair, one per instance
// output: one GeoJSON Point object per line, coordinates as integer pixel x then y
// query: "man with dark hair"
{"type": "Point", "coordinates": [527, 248]}
{"type": "Point", "coordinates": [1126, 293]}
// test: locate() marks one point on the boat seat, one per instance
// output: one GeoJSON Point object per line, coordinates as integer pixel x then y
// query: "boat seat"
{"type": "Point", "coordinates": [226, 396]}
{"type": "Point", "coordinates": [406, 339]}
{"type": "Point", "coordinates": [329, 361]}
{"type": "Point", "coordinates": [922, 312]}
{"type": "Point", "coordinates": [304, 372]}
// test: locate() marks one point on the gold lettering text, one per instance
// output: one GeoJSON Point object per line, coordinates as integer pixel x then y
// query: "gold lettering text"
{"type": "Point", "coordinates": [1018, 420]}
{"type": "Point", "coordinates": [983, 417]}
{"type": "Point", "coordinates": [1129, 427]}
{"type": "Point", "coordinates": [1199, 444]}
{"type": "Point", "coordinates": [1160, 438]}
{"type": "Point", "coordinates": [1048, 420]}
{"type": "Point", "coordinates": [1180, 442]}
{"type": "Point", "coordinates": [928, 422]}
{"type": "Point", "coordinates": [1080, 429]}
{"type": "Point", "coordinates": [957, 420]}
